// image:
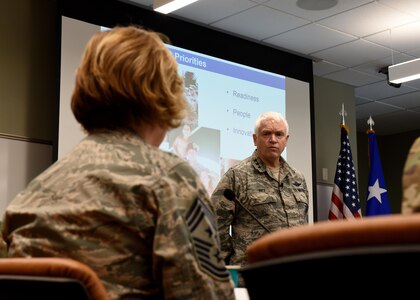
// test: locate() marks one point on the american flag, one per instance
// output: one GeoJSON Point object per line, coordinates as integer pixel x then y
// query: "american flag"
{"type": "Point", "coordinates": [345, 202]}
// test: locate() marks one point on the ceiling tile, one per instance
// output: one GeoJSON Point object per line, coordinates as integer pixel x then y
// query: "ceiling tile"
{"type": "Point", "coordinates": [361, 100]}
{"type": "Point", "coordinates": [207, 12]}
{"type": "Point", "coordinates": [415, 84]}
{"type": "Point", "coordinates": [324, 67]}
{"type": "Point", "coordinates": [380, 90]}
{"type": "Point", "coordinates": [408, 6]}
{"type": "Point", "coordinates": [352, 77]}
{"type": "Point", "coordinates": [399, 38]}
{"type": "Point", "coordinates": [373, 66]}
{"type": "Point", "coordinates": [409, 100]}
{"type": "Point", "coordinates": [374, 109]}
{"type": "Point", "coordinates": [367, 19]}
{"type": "Point", "coordinates": [353, 53]}
{"type": "Point", "coordinates": [260, 23]}
{"type": "Point", "coordinates": [310, 38]}
{"type": "Point", "coordinates": [415, 53]}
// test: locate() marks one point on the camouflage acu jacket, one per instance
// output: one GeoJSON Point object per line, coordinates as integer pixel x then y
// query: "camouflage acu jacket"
{"type": "Point", "coordinates": [411, 180]}
{"type": "Point", "coordinates": [277, 203]}
{"type": "Point", "coordinates": [137, 215]}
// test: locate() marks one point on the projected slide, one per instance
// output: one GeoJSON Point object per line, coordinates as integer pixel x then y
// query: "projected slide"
{"type": "Point", "coordinates": [225, 100]}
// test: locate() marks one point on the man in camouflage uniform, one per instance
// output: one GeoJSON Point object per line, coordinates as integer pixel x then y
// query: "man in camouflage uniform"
{"type": "Point", "coordinates": [274, 192]}
{"type": "Point", "coordinates": [138, 216]}
{"type": "Point", "coordinates": [411, 180]}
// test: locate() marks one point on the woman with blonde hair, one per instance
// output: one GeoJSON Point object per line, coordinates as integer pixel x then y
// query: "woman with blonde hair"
{"type": "Point", "coordinates": [140, 217]}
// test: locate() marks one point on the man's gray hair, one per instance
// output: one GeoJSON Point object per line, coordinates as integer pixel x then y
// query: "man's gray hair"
{"type": "Point", "coordinates": [270, 115]}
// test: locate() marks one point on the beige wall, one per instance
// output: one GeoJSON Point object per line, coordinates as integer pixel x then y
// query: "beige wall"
{"type": "Point", "coordinates": [329, 96]}
{"type": "Point", "coordinates": [27, 75]}
{"type": "Point", "coordinates": [28, 87]}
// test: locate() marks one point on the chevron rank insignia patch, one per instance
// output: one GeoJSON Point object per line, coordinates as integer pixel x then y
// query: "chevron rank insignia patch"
{"type": "Point", "coordinates": [206, 244]}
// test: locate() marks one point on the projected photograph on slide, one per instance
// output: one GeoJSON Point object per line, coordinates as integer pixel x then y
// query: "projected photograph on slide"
{"type": "Point", "coordinates": [201, 148]}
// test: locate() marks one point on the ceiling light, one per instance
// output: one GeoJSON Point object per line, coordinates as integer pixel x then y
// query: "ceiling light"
{"type": "Point", "coordinates": [167, 6]}
{"type": "Point", "coordinates": [403, 72]}
{"type": "Point", "coordinates": [384, 70]}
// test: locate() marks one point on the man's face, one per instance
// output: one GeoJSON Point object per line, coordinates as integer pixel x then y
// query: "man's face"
{"type": "Point", "coordinates": [270, 140]}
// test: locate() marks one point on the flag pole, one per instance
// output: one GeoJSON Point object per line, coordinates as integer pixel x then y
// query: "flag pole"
{"type": "Point", "coordinates": [343, 114]}
{"type": "Point", "coordinates": [370, 122]}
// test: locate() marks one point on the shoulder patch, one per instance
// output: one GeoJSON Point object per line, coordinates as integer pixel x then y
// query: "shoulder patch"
{"type": "Point", "coordinates": [205, 242]}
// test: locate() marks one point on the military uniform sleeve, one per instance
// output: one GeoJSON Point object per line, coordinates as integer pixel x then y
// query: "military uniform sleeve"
{"type": "Point", "coordinates": [307, 197]}
{"type": "Point", "coordinates": [187, 256]}
{"type": "Point", "coordinates": [3, 246]}
{"type": "Point", "coordinates": [225, 211]}
{"type": "Point", "coordinates": [411, 180]}
{"type": "Point", "coordinates": [302, 196]}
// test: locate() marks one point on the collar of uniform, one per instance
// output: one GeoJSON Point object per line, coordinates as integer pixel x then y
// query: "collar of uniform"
{"type": "Point", "coordinates": [116, 135]}
{"type": "Point", "coordinates": [260, 166]}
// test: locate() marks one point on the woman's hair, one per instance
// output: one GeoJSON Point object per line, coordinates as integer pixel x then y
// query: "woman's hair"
{"type": "Point", "coordinates": [128, 78]}
{"type": "Point", "coordinates": [271, 115]}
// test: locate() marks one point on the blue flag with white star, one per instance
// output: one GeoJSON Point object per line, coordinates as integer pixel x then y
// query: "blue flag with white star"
{"type": "Point", "coordinates": [377, 202]}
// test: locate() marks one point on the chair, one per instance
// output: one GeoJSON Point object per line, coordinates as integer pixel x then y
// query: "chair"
{"type": "Point", "coordinates": [374, 251]}
{"type": "Point", "coordinates": [49, 278]}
